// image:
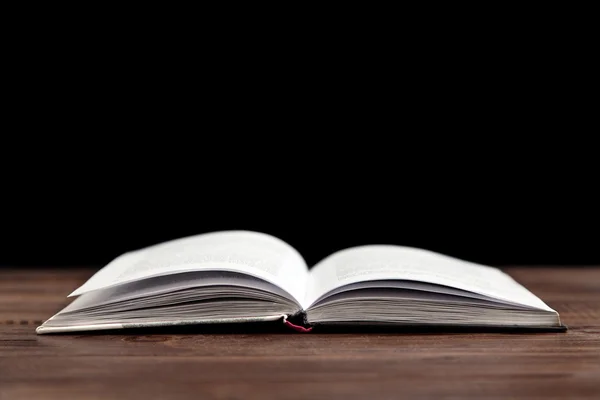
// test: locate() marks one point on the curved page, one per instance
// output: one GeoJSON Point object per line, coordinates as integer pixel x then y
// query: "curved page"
{"type": "Point", "coordinates": [388, 262]}
{"type": "Point", "coordinates": [252, 253]}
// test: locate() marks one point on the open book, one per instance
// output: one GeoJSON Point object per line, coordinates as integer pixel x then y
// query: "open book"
{"type": "Point", "coordinates": [243, 276]}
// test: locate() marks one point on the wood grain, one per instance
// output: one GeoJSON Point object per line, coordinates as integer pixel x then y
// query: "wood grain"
{"type": "Point", "coordinates": [262, 365]}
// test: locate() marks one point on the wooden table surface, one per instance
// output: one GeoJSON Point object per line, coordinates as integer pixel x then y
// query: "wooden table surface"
{"type": "Point", "coordinates": [283, 365]}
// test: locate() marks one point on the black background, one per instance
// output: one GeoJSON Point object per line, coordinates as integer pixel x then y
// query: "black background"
{"type": "Point", "coordinates": [480, 149]}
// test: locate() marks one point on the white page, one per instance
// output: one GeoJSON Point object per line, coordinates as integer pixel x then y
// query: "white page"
{"type": "Point", "coordinates": [386, 262]}
{"type": "Point", "coordinates": [252, 253]}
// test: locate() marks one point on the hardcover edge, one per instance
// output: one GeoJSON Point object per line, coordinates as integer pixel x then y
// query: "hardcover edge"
{"type": "Point", "coordinates": [41, 330]}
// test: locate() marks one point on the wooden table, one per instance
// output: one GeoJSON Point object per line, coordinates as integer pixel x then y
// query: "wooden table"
{"type": "Point", "coordinates": [294, 365]}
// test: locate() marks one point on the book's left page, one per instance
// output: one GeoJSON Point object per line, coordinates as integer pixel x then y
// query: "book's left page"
{"type": "Point", "coordinates": [220, 277]}
{"type": "Point", "coordinates": [246, 252]}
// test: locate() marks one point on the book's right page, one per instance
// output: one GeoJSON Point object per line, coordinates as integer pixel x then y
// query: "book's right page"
{"type": "Point", "coordinates": [390, 262]}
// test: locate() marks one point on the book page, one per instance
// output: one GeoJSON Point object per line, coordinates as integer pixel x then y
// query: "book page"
{"type": "Point", "coordinates": [252, 253]}
{"type": "Point", "coordinates": [388, 262]}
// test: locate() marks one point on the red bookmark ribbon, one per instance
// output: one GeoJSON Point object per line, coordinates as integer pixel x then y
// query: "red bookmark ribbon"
{"type": "Point", "coordinates": [295, 327]}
